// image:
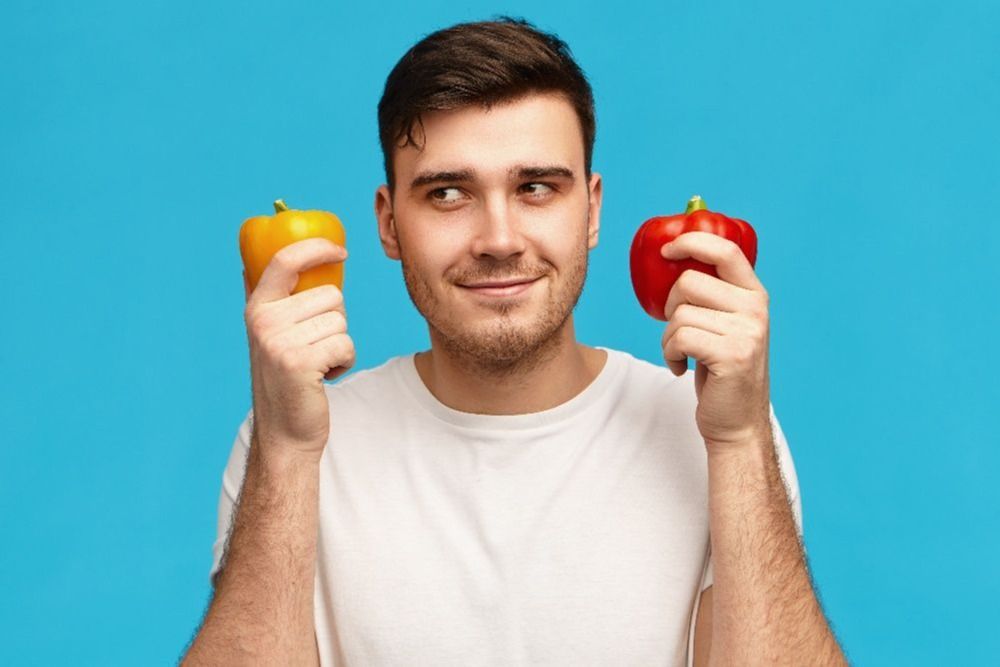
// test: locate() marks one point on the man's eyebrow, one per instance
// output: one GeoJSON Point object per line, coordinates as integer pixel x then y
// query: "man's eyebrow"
{"type": "Point", "coordinates": [516, 172]}
{"type": "Point", "coordinates": [550, 171]}
{"type": "Point", "coordinates": [428, 177]}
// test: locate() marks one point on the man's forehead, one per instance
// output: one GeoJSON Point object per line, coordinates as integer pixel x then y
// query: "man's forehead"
{"type": "Point", "coordinates": [502, 141]}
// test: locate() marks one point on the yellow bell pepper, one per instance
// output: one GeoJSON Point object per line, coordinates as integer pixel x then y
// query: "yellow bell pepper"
{"type": "Point", "coordinates": [262, 236]}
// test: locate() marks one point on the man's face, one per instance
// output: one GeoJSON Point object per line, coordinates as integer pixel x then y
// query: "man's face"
{"type": "Point", "coordinates": [493, 198]}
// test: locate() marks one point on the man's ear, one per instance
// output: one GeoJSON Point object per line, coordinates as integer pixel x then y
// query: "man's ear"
{"type": "Point", "coordinates": [386, 222]}
{"type": "Point", "coordinates": [594, 224]}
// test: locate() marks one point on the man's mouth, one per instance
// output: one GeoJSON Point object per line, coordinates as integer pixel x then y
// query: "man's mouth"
{"type": "Point", "coordinates": [501, 283]}
{"type": "Point", "coordinates": [508, 287]}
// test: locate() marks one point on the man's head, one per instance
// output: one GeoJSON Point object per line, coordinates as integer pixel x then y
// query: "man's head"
{"type": "Point", "coordinates": [488, 130]}
{"type": "Point", "coordinates": [479, 64]}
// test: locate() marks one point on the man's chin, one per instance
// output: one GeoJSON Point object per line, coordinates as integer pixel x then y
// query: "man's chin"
{"type": "Point", "coordinates": [502, 341]}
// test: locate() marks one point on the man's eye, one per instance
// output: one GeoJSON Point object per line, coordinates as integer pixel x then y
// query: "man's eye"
{"type": "Point", "coordinates": [534, 190]}
{"type": "Point", "coordinates": [545, 191]}
{"type": "Point", "coordinates": [436, 195]}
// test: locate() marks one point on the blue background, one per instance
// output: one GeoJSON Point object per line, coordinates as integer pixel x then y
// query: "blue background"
{"type": "Point", "coordinates": [859, 138]}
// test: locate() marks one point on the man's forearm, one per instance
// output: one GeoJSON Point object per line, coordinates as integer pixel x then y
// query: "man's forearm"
{"type": "Point", "coordinates": [765, 611]}
{"type": "Point", "coordinates": [262, 609]}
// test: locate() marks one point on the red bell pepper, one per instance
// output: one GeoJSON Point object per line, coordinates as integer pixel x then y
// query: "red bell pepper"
{"type": "Point", "coordinates": [653, 274]}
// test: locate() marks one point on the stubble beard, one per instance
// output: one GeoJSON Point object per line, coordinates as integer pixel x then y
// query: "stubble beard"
{"type": "Point", "coordinates": [498, 346]}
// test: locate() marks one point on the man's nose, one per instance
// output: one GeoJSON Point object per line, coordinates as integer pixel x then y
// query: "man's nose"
{"type": "Point", "coordinates": [498, 231]}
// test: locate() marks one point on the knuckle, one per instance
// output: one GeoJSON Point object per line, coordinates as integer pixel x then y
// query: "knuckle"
{"type": "Point", "coordinates": [332, 294]}
{"type": "Point", "coordinates": [668, 343]}
{"type": "Point", "coordinates": [342, 349]}
{"type": "Point", "coordinates": [255, 331]}
{"type": "Point", "coordinates": [290, 360]}
{"type": "Point", "coordinates": [750, 325]}
{"type": "Point", "coordinates": [283, 260]}
{"type": "Point", "coordinates": [339, 320]}
{"type": "Point", "coordinates": [317, 328]}
{"type": "Point", "coordinates": [761, 331]}
{"type": "Point", "coordinates": [682, 335]}
{"type": "Point", "coordinates": [272, 347]}
{"type": "Point", "coordinates": [260, 322]}
{"type": "Point", "coordinates": [349, 351]}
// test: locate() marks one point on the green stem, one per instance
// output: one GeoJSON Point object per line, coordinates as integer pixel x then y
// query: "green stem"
{"type": "Point", "coordinates": [279, 206]}
{"type": "Point", "coordinates": [696, 203]}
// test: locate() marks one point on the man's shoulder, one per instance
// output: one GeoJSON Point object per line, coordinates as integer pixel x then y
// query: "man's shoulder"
{"type": "Point", "coordinates": [641, 370]}
{"type": "Point", "coordinates": [373, 381]}
{"type": "Point", "coordinates": [641, 381]}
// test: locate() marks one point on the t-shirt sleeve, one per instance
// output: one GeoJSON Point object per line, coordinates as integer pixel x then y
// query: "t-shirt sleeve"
{"type": "Point", "coordinates": [787, 467]}
{"type": "Point", "coordinates": [232, 480]}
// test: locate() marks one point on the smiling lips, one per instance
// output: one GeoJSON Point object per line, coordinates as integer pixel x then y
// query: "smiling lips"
{"type": "Point", "coordinates": [502, 287]}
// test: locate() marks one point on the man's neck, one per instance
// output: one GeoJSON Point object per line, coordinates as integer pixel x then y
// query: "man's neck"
{"type": "Point", "coordinates": [552, 377]}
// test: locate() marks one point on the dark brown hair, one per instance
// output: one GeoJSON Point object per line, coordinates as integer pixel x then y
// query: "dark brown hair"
{"type": "Point", "coordinates": [484, 63]}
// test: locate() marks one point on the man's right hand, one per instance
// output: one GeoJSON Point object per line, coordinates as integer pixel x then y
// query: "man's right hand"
{"type": "Point", "coordinates": [295, 340]}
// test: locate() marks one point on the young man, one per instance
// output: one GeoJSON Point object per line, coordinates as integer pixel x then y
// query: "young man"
{"type": "Point", "coordinates": [510, 496]}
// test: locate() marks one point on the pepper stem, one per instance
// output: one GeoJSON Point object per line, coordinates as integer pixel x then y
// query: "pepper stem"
{"type": "Point", "coordinates": [279, 206]}
{"type": "Point", "coordinates": [696, 203]}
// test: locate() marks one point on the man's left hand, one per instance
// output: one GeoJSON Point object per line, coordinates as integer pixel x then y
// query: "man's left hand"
{"type": "Point", "coordinates": [723, 323]}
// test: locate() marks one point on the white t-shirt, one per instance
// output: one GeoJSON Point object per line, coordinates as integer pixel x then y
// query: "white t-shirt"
{"type": "Point", "coordinates": [573, 536]}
